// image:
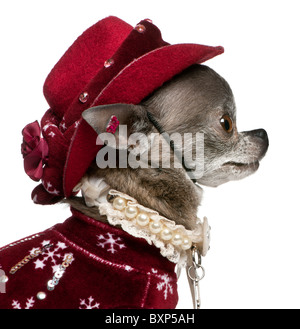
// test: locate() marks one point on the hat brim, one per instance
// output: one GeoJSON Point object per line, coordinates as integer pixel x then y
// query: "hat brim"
{"type": "Point", "coordinates": [131, 85]}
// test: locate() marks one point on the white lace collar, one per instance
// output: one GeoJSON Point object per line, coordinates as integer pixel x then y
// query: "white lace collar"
{"type": "Point", "coordinates": [141, 222]}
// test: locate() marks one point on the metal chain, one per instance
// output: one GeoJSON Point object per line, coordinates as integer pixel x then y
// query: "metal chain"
{"type": "Point", "coordinates": [195, 277]}
{"type": "Point", "coordinates": [26, 259]}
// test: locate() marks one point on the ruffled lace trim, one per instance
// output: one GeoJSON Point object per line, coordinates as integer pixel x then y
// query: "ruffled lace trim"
{"type": "Point", "coordinates": [95, 192]}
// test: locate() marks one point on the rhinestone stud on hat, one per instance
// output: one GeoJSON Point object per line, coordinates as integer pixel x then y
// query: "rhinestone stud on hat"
{"type": "Point", "coordinates": [140, 28]}
{"type": "Point", "coordinates": [83, 97]}
{"type": "Point", "coordinates": [109, 62]}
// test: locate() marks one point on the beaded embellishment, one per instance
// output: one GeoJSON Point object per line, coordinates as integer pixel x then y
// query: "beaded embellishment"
{"type": "Point", "coordinates": [51, 284]}
{"type": "Point", "coordinates": [29, 257]}
{"type": "Point", "coordinates": [173, 240]}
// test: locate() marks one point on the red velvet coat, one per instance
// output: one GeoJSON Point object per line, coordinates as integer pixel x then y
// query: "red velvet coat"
{"type": "Point", "coordinates": [109, 269]}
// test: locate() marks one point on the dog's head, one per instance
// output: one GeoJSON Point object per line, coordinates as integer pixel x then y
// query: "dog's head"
{"type": "Point", "coordinates": [196, 101]}
{"type": "Point", "coordinates": [200, 100]}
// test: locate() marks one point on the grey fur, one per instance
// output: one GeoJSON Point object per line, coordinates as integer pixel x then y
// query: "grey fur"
{"type": "Point", "coordinates": [194, 101]}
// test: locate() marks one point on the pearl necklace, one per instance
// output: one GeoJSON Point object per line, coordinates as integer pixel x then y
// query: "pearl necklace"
{"type": "Point", "coordinates": [161, 227]}
{"type": "Point", "coordinates": [120, 209]}
{"type": "Point", "coordinates": [174, 241]}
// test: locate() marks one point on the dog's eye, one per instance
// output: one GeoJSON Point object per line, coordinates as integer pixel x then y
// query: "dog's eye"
{"type": "Point", "coordinates": [226, 123]}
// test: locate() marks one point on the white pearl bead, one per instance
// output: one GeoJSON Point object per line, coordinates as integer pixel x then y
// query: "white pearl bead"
{"type": "Point", "coordinates": [186, 243]}
{"type": "Point", "coordinates": [166, 234]}
{"type": "Point", "coordinates": [131, 212]}
{"type": "Point", "coordinates": [142, 219]}
{"type": "Point", "coordinates": [177, 239]}
{"type": "Point", "coordinates": [155, 227]}
{"type": "Point", "coordinates": [119, 203]}
{"type": "Point", "coordinates": [41, 295]}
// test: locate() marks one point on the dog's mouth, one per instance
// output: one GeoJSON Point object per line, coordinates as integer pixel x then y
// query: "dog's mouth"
{"type": "Point", "coordinates": [242, 166]}
{"type": "Point", "coordinates": [229, 171]}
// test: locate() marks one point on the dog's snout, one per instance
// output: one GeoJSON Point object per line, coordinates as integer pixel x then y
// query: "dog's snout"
{"type": "Point", "coordinates": [260, 138]}
{"type": "Point", "coordinates": [262, 134]}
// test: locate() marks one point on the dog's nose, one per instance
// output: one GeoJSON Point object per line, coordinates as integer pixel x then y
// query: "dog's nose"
{"type": "Point", "coordinates": [261, 133]}
{"type": "Point", "coordinates": [260, 138]}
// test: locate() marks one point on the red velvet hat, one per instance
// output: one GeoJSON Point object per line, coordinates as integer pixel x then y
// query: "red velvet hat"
{"type": "Point", "coordinates": [109, 63]}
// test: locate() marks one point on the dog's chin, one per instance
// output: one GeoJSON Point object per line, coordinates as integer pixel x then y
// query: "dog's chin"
{"type": "Point", "coordinates": [229, 171]}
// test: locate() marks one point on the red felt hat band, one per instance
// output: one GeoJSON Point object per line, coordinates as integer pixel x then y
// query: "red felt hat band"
{"type": "Point", "coordinates": [109, 63]}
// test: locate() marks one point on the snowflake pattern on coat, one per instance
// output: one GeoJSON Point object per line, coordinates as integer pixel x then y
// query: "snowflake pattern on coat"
{"type": "Point", "coordinates": [50, 255]}
{"type": "Point", "coordinates": [109, 240]}
{"type": "Point", "coordinates": [29, 304]}
{"type": "Point", "coordinates": [77, 287]}
{"type": "Point", "coordinates": [165, 285]}
{"type": "Point", "coordinates": [89, 304]}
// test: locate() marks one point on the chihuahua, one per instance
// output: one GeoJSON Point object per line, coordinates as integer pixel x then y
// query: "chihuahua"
{"type": "Point", "coordinates": [107, 267]}
{"type": "Point", "coordinates": [197, 100]}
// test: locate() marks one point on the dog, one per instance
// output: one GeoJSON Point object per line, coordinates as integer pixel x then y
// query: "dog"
{"type": "Point", "coordinates": [197, 100]}
{"type": "Point", "coordinates": [136, 217]}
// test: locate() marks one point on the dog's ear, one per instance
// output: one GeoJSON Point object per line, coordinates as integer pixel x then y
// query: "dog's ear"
{"type": "Point", "coordinates": [119, 120]}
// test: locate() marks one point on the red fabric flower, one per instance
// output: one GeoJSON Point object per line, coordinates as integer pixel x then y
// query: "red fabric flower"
{"type": "Point", "coordinates": [34, 150]}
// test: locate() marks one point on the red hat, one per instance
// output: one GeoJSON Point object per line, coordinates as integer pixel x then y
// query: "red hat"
{"type": "Point", "coordinates": [111, 62]}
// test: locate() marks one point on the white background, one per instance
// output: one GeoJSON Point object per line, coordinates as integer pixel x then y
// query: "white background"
{"type": "Point", "coordinates": [254, 258]}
